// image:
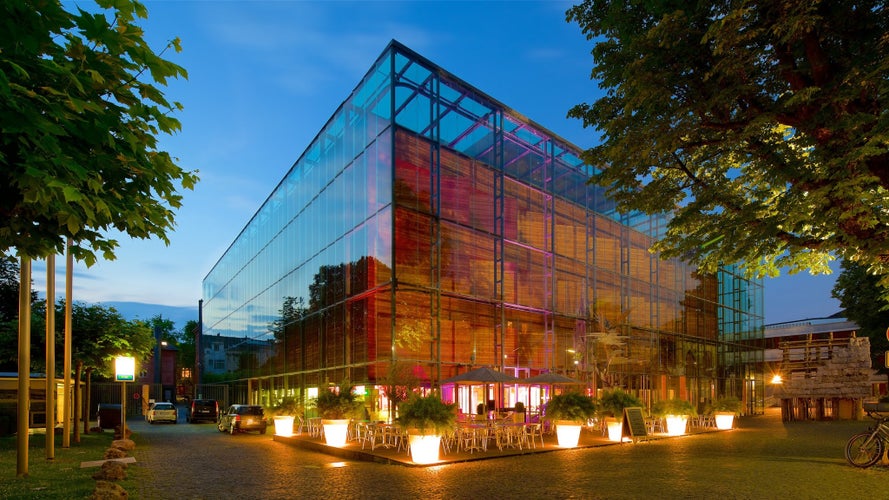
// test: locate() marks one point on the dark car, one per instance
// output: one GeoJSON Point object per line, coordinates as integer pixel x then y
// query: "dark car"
{"type": "Point", "coordinates": [242, 418]}
{"type": "Point", "coordinates": [203, 410]}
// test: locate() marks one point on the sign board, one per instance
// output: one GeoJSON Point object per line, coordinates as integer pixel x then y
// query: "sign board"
{"type": "Point", "coordinates": [886, 360]}
{"type": "Point", "coordinates": [634, 423]}
{"type": "Point", "coordinates": [125, 369]}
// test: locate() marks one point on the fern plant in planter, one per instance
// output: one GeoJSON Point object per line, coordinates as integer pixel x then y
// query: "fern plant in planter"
{"type": "Point", "coordinates": [283, 414]}
{"type": "Point", "coordinates": [613, 401]}
{"type": "Point", "coordinates": [728, 404]}
{"type": "Point", "coordinates": [426, 419]}
{"type": "Point", "coordinates": [336, 408]}
{"type": "Point", "coordinates": [677, 407]}
{"type": "Point", "coordinates": [337, 405]}
{"type": "Point", "coordinates": [427, 414]}
{"type": "Point", "coordinates": [571, 406]}
{"type": "Point", "coordinates": [611, 407]}
{"type": "Point", "coordinates": [676, 412]}
{"type": "Point", "coordinates": [724, 411]}
{"type": "Point", "coordinates": [570, 411]}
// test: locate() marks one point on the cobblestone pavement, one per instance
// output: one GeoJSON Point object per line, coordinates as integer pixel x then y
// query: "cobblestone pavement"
{"type": "Point", "coordinates": [761, 458]}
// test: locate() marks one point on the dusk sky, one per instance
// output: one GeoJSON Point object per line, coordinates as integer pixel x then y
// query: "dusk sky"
{"type": "Point", "coordinates": [265, 76]}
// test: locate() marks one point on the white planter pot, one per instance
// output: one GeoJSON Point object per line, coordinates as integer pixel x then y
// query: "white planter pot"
{"type": "Point", "coordinates": [615, 430]}
{"type": "Point", "coordinates": [424, 448]}
{"type": "Point", "coordinates": [676, 424]}
{"type": "Point", "coordinates": [568, 433]}
{"type": "Point", "coordinates": [335, 432]}
{"type": "Point", "coordinates": [724, 420]}
{"type": "Point", "coordinates": [284, 425]}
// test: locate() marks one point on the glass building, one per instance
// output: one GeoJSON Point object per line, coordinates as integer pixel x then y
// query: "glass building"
{"type": "Point", "coordinates": [430, 226]}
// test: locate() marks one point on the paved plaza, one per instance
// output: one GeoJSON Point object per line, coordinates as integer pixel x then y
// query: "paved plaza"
{"type": "Point", "coordinates": [762, 458]}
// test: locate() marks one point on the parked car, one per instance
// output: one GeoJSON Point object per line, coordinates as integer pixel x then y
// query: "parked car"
{"type": "Point", "coordinates": [242, 418]}
{"type": "Point", "coordinates": [206, 410]}
{"type": "Point", "coordinates": [162, 412]}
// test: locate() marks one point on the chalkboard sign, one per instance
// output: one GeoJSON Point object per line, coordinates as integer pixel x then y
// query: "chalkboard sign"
{"type": "Point", "coordinates": [634, 423]}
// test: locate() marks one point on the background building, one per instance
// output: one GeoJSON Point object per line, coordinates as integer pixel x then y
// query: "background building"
{"type": "Point", "coordinates": [428, 224]}
{"type": "Point", "coordinates": [819, 368]}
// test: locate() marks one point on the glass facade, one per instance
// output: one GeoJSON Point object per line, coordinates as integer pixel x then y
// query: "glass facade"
{"type": "Point", "coordinates": [427, 224]}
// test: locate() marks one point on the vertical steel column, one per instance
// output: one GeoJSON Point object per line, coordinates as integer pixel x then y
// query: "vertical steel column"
{"type": "Point", "coordinates": [499, 312]}
{"type": "Point", "coordinates": [434, 135]}
{"type": "Point", "coordinates": [394, 281]}
{"type": "Point", "coordinates": [549, 330]}
{"type": "Point", "coordinates": [625, 266]}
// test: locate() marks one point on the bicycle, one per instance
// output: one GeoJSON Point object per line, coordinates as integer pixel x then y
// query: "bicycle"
{"type": "Point", "coordinates": [866, 448]}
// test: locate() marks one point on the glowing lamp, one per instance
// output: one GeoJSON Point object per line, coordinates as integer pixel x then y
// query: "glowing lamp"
{"type": "Point", "coordinates": [335, 432]}
{"type": "Point", "coordinates": [615, 430]}
{"type": "Point", "coordinates": [125, 368]}
{"type": "Point", "coordinates": [424, 448]}
{"type": "Point", "coordinates": [676, 425]}
{"type": "Point", "coordinates": [568, 434]}
{"type": "Point", "coordinates": [724, 421]}
{"type": "Point", "coordinates": [284, 425]}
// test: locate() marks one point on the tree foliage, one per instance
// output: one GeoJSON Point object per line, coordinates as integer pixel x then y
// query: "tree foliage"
{"type": "Point", "coordinates": [761, 125]}
{"type": "Point", "coordinates": [9, 290]}
{"type": "Point", "coordinates": [99, 334]}
{"type": "Point", "coordinates": [860, 296]}
{"type": "Point", "coordinates": [80, 112]}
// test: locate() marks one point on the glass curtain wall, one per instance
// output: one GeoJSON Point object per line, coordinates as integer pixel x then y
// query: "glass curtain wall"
{"type": "Point", "coordinates": [431, 226]}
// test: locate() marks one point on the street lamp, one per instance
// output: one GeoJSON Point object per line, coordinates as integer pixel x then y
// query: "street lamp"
{"type": "Point", "coordinates": [125, 371]}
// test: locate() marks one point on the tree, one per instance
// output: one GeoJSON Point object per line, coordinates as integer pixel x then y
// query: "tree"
{"type": "Point", "coordinates": [860, 296]}
{"type": "Point", "coordinates": [80, 109]}
{"type": "Point", "coordinates": [9, 311]}
{"type": "Point", "coordinates": [398, 384]}
{"type": "Point", "coordinates": [9, 289]}
{"type": "Point", "coordinates": [762, 126]}
{"type": "Point", "coordinates": [100, 334]}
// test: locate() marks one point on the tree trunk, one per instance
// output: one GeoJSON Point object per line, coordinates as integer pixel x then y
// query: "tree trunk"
{"type": "Point", "coordinates": [76, 410]}
{"type": "Point", "coordinates": [88, 373]}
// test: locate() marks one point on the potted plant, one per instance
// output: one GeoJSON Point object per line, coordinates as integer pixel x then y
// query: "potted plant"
{"type": "Point", "coordinates": [426, 420]}
{"type": "Point", "coordinates": [676, 412]}
{"type": "Point", "coordinates": [570, 411]}
{"type": "Point", "coordinates": [611, 408]}
{"type": "Point", "coordinates": [283, 413]}
{"type": "Point", "coordinates": [724, 411]}
{"type": "Point", "coordinates": [336, 407]}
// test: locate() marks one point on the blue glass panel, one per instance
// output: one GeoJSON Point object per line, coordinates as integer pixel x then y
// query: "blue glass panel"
{"type": "Point", "coordinates": [414, 111]}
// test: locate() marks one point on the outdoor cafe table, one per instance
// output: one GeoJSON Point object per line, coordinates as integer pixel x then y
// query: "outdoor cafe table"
{"type": "Point", "coordinates": [510, 435]}
{"type": "Point", "coordinates": [472, 437]}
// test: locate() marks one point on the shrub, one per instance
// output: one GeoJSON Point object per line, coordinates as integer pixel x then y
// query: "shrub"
{"type": "Point", "coordinates": [339, 404]}
{"type": "Point", "coordinates": [571, 406]}
{"type": "Point", "coordinates": [614, 401]}
{"type": "Point", "coordinates": [678, 407]}
{"type": "Point", "coordinates": [427, 414]}
{"type": "Point", "coordinates": [726, 404]}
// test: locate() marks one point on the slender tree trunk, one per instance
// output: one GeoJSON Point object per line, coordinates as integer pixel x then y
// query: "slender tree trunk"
{"type": "Point", "coordinates": [88, 374]}
{"type": "Point", "coordinates": [77, 412]}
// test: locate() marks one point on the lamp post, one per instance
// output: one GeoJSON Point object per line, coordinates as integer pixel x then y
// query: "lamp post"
{"type": "Point", "coordinates": [125, 370]}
